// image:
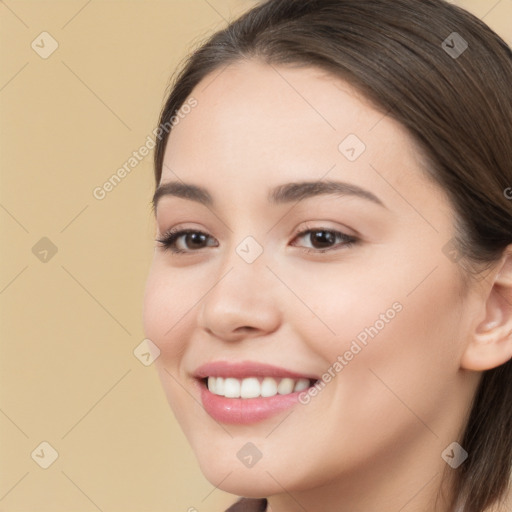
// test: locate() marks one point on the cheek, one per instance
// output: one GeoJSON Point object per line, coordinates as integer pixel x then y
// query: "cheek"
{"type": "Point", "coordinates": [168, 300]}
{"type": "Point", "coordinates": [413, 358]}
{"type": "Point", "coordinates": [400, 309]}
{"type": "Point", "coordinates": [342, 304]}
{"type": "Point", "coordinates": [382, 337]}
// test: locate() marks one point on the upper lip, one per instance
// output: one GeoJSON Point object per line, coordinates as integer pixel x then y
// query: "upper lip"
{"type": "Point", "coordinates": [246, 369]}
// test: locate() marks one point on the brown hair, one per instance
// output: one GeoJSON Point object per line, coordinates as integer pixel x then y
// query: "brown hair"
{"type": "Point", "coordinates": [409, 58]}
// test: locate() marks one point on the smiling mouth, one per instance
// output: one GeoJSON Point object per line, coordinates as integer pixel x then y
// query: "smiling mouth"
{"type": "Point", "coordinates": [256, 387]}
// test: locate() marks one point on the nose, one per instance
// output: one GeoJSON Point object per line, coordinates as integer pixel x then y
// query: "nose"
{"type": "Point", "coordinates": [242, 302]}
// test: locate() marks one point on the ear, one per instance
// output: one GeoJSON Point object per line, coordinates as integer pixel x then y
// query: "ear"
{"type": "Point", "coordinates": [490, 345]}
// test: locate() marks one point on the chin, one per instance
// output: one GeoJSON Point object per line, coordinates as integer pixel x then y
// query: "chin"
{"type": "Point", "coordinates": [248, 485]}
{"type": "Point", "coordinates": [265, 478]}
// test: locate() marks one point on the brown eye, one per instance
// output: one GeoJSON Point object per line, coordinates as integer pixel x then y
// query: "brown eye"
{"type": "Point", "coordinates": [196, 240]}
{"type": "Point", "coordinates": [187, 240]}
{"type": "Point", "coordinates": [322, 240]}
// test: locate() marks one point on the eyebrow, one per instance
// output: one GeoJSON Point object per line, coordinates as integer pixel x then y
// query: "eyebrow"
{"type": "Point", "coordinates": [281, 194]}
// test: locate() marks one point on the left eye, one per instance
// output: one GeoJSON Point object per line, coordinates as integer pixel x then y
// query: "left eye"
{"type": "Point", "coordinates": [321, 240]}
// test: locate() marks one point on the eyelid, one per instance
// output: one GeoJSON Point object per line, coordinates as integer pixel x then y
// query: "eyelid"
{"type": "Point", "coordinates": [326, 225]}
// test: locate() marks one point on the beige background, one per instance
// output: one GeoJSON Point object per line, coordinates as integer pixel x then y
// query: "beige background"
{"type": "Point", "coordinates": [70, 324]}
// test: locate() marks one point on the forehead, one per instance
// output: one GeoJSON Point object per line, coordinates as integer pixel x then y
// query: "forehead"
{"type": "Point", "coordinates": [253, 98]}
{"type": "Point", "coordinates": [257, 123]}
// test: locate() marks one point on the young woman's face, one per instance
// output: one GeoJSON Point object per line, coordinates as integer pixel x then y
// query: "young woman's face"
{"type": "Point", "coordinates": [350, 279]}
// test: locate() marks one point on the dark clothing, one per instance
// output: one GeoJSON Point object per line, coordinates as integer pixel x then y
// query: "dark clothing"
{"type": "Point", "coordinates": [248, 505]}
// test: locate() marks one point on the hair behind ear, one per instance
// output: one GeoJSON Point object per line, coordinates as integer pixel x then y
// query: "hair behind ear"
{"type": "Point", "coordinates": [481, 479]}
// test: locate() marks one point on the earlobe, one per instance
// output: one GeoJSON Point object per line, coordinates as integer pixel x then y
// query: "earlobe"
{"type": "Point", "coordinates": [490, 345]}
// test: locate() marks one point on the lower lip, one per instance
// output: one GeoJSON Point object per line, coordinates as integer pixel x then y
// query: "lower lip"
{"type": "Point", "coordinates": [244, 411]}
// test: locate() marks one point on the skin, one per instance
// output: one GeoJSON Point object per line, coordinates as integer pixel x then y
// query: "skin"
{"type": "Point", "coordinates": [372, 439]}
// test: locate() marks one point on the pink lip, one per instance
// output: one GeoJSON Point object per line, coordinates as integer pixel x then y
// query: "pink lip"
{"type": "Point", "coordinates": [246, 369]}
{"type": "Point", "coordinates": [244, 411]}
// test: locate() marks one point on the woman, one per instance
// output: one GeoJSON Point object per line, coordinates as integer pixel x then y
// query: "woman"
{"type": "Point", "coordinates": [331, 288]}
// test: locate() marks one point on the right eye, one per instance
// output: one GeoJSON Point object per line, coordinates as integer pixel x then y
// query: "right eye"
{"type": "Point", "coordinates": [186, 241]}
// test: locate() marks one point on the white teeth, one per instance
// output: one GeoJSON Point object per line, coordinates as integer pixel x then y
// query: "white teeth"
{"type": "Point", "coordinates": [212, 381]}
{"type": "Point", "coordinates": [252, 387]}
{"type": "Point", "coordinates": [285, 386]}
{"type": "Point", "coordinates": [219, 386]}
{"type": "Point", "coordinates": [300, 385]}
{"type": "Point", "coordinates": [231, 388]}
{"type": "Point", "coordinates": [268, 387]}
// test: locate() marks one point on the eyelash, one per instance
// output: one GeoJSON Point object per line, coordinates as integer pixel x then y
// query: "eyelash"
{"type": "Point", "coordinates": [168, 240]}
